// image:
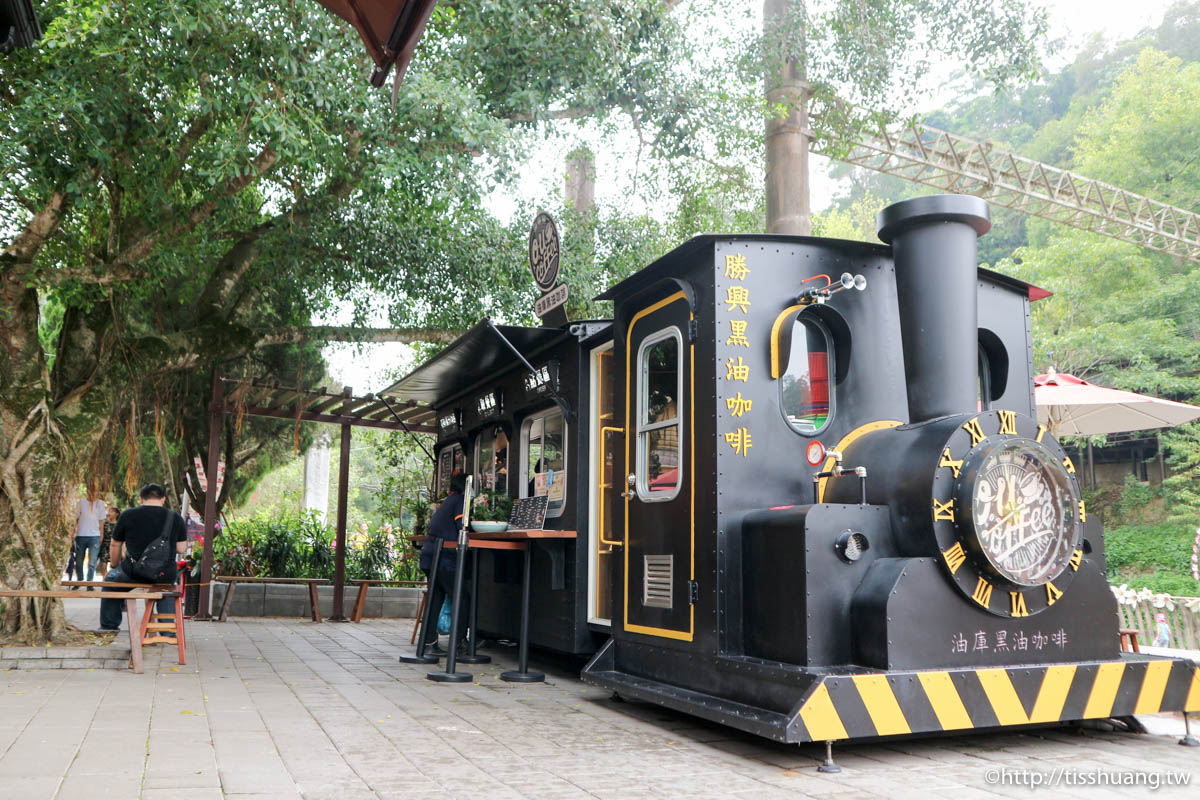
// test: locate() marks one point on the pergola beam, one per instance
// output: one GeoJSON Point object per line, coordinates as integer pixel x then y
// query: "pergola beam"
{"type": "Point", "coordinates": [309, 406]}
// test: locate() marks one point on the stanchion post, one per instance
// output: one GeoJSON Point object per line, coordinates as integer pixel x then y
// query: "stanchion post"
{"type": "Point", "coordinates": [522, 674]}
{"type": "Point", "coordinates": [472, 657]}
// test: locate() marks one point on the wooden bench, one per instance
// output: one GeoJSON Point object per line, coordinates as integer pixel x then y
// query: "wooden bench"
{"type": "Point", "coordinates": [314, 605]}
{"type": "Point", "coordinates": [153, 624]}
{"type": "Point", "coordinates": [1129, 639]}
{"type": "Point", "coordinates": [130, 598]}
{"type": "Point", "coordinates": [361, 600]}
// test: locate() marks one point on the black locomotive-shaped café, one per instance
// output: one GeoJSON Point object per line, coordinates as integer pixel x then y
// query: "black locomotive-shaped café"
{"type": "Point", "coordinates": [811, 497]}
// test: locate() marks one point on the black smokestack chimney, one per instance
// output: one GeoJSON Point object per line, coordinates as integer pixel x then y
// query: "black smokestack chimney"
{"type": "Point", "coordinates": [935, 249]}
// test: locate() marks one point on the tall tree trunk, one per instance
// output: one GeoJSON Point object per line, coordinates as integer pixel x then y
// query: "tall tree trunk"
{"type": "Point", "coordinates": [788, 208]}
{"type": "Point", "coordinates": [50, 424]}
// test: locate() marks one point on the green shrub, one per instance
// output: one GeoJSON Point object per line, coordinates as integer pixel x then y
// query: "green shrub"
{"type": "Point", "coordinates": [1135, 502]}
{"type": "Point", "coordinates": [300, 546]}
{"type": "Point", "coordinates": [1156, 556]}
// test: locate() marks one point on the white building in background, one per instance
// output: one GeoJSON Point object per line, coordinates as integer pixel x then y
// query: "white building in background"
{"type": "Point", "coordinates": [316, 476]}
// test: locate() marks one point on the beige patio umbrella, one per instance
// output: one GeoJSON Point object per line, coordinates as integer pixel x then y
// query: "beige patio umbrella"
{"type": "Point", "coordinates": [1071, 406]}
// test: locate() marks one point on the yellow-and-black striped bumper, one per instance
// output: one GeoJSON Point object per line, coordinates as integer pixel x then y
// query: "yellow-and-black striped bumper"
{"type": "Point", "coordinates": [897, 703]}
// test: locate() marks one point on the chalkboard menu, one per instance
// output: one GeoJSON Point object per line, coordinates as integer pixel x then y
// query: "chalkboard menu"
{"type": "Point", "coordinates": [529, 513]}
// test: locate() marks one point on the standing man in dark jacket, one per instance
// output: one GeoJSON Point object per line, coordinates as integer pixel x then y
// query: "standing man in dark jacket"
{"type": "Point", "coordinates": [445, 524]}
{"type": "Point", "coordinates": [136, 528]}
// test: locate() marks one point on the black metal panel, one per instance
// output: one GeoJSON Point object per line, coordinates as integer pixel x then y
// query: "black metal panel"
{"type": "Point", "coordinates": [796, 589]}
{"type": "Point", "coordinates": [908, 616]}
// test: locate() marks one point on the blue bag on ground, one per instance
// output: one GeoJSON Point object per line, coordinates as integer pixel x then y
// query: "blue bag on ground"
{"type": "Point", "coordinates": [444, 618]}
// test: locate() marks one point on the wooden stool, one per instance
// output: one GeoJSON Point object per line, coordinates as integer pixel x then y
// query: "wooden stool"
{"type": "Point", "coordinates": [1129, 639]}
{"type": "Point", "coordinates": [156, 624]}
{"type": "Point", "coordinates": [420, 612]}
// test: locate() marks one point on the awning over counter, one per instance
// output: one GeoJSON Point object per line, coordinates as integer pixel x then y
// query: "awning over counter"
{"type": "Point", "coordinates": [474, 357]}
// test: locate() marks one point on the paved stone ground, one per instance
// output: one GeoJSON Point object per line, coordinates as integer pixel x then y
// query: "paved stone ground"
{"type": "Point", "coordinates": [271, 708]}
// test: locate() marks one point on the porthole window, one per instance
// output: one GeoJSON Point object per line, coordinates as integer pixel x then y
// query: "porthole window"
{"type": "Point", "coordinates": [804, 387]}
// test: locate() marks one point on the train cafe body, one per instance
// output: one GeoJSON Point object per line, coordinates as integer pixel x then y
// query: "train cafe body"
{"type": "Point", "coordinates": [808, 506]}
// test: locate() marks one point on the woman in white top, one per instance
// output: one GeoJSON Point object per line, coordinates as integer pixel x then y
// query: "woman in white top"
{"type": "Point", "coordinates": [87, 532]}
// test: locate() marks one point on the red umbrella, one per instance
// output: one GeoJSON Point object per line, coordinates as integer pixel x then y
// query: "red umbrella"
{"type": "Point", "coordinates": [390, 30]}
{"type": "Point", "coordinates": [1071, 406]}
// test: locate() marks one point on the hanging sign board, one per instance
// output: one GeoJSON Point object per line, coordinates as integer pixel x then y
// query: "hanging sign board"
{"type": "Point", "coordinates": [544, 251]}
{"type": "Point", "coordinates": [544, 262]}
{"type": "Point", "coordinates": [550, 300]}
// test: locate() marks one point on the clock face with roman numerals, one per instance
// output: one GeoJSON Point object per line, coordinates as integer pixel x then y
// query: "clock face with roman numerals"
{"type": "Point", "coordinates": [1007, 515]}
{"type": "Point", "coordinates": [1022, 512]}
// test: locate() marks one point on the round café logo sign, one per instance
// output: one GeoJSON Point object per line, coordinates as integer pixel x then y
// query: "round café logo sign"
{"type": "Point", "coordinates": [544, 251]}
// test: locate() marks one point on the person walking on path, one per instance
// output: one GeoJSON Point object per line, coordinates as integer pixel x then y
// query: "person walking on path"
{"type": "Point", "coordinates": [87, 533]}
{"type": "Point", "coordinates": [136, 528]}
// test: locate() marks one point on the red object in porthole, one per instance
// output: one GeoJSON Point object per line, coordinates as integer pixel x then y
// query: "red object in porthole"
{"type": "Point", "coordinates": [815, 452]}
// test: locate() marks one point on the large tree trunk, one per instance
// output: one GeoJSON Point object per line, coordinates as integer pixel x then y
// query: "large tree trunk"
{"type": "Point", "coordinates": [788, 208]}
{"type": "Point", "coordinates": [34, 491]}
{"type": "Point", "coordinates": [50, 424]}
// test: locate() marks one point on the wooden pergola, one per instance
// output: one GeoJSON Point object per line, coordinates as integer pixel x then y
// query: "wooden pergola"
{"type": "Point", "coordinates": [238, 397]}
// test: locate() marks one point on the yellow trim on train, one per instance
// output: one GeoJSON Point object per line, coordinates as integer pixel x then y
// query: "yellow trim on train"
{"type": "Point", "coordinates": [631, 442]}
{"type": "Point", "coordinates": [846, 441]}
{"type": "Point", "coordinates": [776, 367]}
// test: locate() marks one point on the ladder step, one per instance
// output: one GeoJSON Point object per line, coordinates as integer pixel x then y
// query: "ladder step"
{"type": "Point", "coordinates": [160, 626]}
{"type": "Point", "coordinates": [159, 639]}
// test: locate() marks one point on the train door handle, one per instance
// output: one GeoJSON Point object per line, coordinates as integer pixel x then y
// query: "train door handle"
{"type": "Point", "coordinates": [629, 493]}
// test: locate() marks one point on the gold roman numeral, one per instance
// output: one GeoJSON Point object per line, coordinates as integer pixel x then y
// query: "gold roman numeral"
{"type": "Point", "coordinates": [1082, 512]}
{"type": "Point", "coordinates": [943, 511]}
{"type": "Point", "coordinates": [972, 427]}
{"type": "Point", "coordinates": [1076, 559]}
{"type": "Point", "coordinates": [1052, 594]}
{"type": "Point", "coordinates": [947, 461]}
{"type": "Point", "coordinates": [1008, 422]}
{"type": "Point", "coordinates": [1018, 605]}
{"type": "Point", "coordinates": [954, 557]}
{"type": "Point", "coordinates": [982, 593]}
{"type": "Point", "coordinates": [1069, 465]}
{"type": "Point", "coordinates": [1041, 432]}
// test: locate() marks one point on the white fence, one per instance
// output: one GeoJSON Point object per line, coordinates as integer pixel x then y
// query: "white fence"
{"type": "Point", "coordinates": [1137, 610]}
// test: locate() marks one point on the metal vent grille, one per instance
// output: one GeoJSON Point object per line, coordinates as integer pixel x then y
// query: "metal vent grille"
{"type": "Point", "coordinates": [658, 578]}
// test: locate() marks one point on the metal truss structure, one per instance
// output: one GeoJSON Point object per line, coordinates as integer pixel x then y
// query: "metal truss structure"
{"type": "Point", "coordinates": [954, 164]}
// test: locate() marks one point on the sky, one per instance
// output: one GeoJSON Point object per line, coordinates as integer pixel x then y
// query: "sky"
{"type": "Point", "coordinates": [367, 368]}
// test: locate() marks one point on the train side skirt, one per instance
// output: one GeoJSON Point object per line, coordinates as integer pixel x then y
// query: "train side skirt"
{"type": "Point", "coordinates": [869, 705]}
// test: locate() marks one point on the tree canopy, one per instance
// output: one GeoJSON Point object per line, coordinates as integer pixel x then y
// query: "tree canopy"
{"type": "Point", "coordinates": [186, 183]}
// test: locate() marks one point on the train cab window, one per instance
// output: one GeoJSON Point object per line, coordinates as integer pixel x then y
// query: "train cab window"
{"type": "Point", "coordinates": [491, 461]}
{"type": "Point", "coordinates": [660, 390]}
{"type": "Point", "coordinates": [450, 460]}
{"type": "Point", "coordinates": [544, 460]}
{"type": "Point", "coordinates": [985, 382]}
{"type": "Point", "coordinates": [804, 394]}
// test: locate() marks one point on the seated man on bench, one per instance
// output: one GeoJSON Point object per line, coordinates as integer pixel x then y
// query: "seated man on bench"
{"type": "Point", "coordinates": [136, 528]}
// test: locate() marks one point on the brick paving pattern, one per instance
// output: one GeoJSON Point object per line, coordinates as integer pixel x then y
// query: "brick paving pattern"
{"type": "Point", "coordinates": [281, 708]}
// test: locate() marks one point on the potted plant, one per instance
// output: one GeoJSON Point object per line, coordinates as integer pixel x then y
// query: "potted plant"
{"type": "Point", "coordinates": [419, 508]}
{"type": "Point", "coordinates": [490, 512]}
